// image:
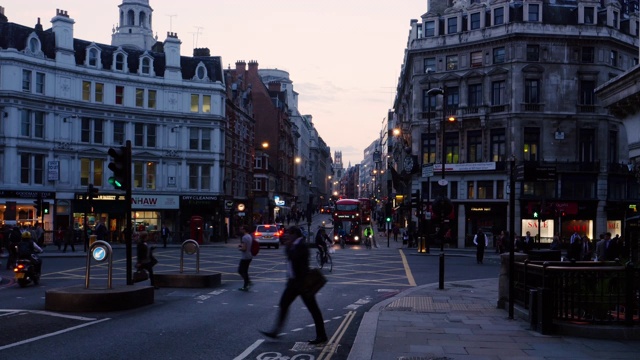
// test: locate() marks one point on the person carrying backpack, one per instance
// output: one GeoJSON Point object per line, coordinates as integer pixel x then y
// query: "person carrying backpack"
{"type": "Point", "coordinates": [245, 259]}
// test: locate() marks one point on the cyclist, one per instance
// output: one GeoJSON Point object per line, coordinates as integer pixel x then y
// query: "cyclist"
{"type": "Point", "coordinates": [341, 236]}
{"type": "Point", "coordinates": [321, 242]}
{"type": "Point", "coordinates": [368, 233]}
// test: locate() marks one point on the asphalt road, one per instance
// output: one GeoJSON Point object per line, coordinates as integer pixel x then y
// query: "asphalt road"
{"type": "Point", "coordinates": [217, 323]}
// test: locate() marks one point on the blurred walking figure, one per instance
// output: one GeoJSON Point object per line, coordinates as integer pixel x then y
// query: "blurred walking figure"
{"type": "Point", "coordinates": [481, 241]}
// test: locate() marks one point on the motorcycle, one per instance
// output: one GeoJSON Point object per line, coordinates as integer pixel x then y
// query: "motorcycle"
{"type": "Point", "coordinates": [25, 272]}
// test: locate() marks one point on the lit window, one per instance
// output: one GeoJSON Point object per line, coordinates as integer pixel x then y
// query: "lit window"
{"type": "Point", "coordinates": [206, 103]}
{"type": "Point", "coordinates": [151, 100]}
{"type": "Point", "coordinates": [195, 103]}
{"type": "Point", "coordinates": [99, 93]}
{"type": "Point", "coordinates": [86, 90]}
{"type": "Point", "coordinates": [139, 97]}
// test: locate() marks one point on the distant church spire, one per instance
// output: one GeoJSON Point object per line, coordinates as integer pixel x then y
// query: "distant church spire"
{"type": "Point", "coordinates": [135, 25]}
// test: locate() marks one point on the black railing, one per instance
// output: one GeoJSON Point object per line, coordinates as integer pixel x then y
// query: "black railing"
{"type": "Point", "coordinates": [604, 293]}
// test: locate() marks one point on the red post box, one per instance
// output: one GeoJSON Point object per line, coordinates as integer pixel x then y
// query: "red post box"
{"type": "Point", "coordinates": [197, 228]}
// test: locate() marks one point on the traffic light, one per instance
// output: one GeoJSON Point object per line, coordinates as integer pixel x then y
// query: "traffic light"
{"type": "Point", "coordinates": [45, 208]}
{"type": "Point", "coordinates": [121, 167]}
{"type": "Point", "coordinates": [415, 200]}
{"type": "Point", "coordinates": [92, 192]}
{"type": "Point", "coordinates": [536, 213]}
{"type": "Point", "coordinates": [387, 212]}
{"type": "Point", "coordinates": [37, 204]}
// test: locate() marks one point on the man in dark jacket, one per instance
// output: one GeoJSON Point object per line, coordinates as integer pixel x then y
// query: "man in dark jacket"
{"type": "Point", "coordinates": [298, 268]}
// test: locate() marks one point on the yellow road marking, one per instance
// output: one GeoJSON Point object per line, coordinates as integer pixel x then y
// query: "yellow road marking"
{"type": "Point", "coordinates": [330, 348]}
{"type": "Point", "coordinates": [407, 269]}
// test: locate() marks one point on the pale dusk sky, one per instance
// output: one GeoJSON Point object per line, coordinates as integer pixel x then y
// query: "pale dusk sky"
{"type": "Point", "coordinates": [343, 56]}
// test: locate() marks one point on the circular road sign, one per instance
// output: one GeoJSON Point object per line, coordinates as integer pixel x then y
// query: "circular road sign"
{"type": "Point", "coordinates": [99, 253]}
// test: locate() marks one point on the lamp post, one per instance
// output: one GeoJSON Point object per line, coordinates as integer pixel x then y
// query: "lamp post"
{"type": "Point", "coordinates": [443, 201]}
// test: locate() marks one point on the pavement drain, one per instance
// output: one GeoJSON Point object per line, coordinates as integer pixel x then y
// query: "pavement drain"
{"type": "Point", "coordinates": [304, 346]}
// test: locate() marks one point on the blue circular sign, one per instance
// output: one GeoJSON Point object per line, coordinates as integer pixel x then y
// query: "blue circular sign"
{"type": "Point", "coordinates": [99, 253]}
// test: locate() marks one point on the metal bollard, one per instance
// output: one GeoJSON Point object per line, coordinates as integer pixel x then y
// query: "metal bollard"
{"type": "Point", "coordinates": [441, 273]}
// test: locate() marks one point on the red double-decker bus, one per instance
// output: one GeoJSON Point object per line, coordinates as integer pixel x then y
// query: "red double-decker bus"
{"type": "Point", "coordinates": [347, 217]}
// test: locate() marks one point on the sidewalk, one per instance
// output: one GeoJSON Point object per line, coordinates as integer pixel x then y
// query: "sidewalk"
{"type": "Point", "coordinates": [462, 322]}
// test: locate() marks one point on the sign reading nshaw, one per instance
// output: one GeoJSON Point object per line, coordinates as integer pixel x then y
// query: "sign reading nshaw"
{"type": "Point", "coordinates": [155, 202]}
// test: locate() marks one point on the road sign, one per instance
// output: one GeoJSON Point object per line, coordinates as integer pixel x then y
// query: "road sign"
{"type": "Point", "coordinates": [443, 182]}
{"type": "Point", "coordinates": [427, 170]}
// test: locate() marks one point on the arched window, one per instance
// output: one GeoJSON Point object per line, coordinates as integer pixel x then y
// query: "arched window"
{"type": "Point", "coordinates": [93, 57]}
{"type": "Point", "coordinates": [131, 18]}
{"type": "Point", "coordinates": [145, 66]}
{"type": "Point", "coordinates": [119, 62]}
{"type": "Point", "coordinates": [142, 19]}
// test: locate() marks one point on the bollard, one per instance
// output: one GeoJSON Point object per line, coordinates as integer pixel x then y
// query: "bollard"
{"type": "Point", "coordinates": [441, 273]}
{"type": "Point", "coordinates": [533, 309]}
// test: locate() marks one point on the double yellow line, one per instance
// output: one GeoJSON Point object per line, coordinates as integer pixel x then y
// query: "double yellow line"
{"type": "Point", "coordinates": [331, 347]}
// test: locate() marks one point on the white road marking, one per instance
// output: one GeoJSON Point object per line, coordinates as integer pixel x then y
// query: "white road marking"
{"type": "Point", "coordinates": [52, 334]}
{"type": "Point", "coordinates": [249, 350]}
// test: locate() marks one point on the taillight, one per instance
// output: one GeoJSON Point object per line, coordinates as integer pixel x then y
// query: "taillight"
{"type": "Point", "coordinates": [257, 234]}
{"type": "Point", "coordinates": [18, 268]}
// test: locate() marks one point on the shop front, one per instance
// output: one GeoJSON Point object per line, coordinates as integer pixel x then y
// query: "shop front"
{"type": "Point", "coordinates": [202, 218]}
{"type": "Point", "coordinates": [18, 208]}
{"type": "Point", "coordinates": [490, 217]}
{"type": "Point", "coordinates": [150, 211]}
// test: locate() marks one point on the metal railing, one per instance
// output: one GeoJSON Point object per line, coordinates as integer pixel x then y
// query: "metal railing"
{"type": "Point", "coordinates": [588, 292]}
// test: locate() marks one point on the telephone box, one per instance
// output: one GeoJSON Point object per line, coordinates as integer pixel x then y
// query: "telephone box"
{"type": "Point", "coordinates": [196, 226]}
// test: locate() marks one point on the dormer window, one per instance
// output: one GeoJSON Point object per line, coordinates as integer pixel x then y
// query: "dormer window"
{"type": "Point", "coordinates": [146, 65]}
{"type": "Point", "coordinates": [93, 57]}
{"type": "Point", "coordinates": [119, 62]}
{"type": "Point", "coordinates": [34, 45]}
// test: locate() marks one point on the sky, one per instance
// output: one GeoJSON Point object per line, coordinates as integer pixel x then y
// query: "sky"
{"type": "Point", "coordinates": [343, 56]}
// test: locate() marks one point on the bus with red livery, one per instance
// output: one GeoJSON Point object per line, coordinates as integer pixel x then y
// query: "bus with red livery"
{"type": "Point", "coordinates": [347, 218]}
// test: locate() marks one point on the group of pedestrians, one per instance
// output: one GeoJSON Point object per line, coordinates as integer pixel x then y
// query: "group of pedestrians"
{"type": "Point", "coordinates": [607, 248]}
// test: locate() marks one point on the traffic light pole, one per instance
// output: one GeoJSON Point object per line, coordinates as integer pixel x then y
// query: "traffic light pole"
{"type": "Point", "coordinates": [127, 209]}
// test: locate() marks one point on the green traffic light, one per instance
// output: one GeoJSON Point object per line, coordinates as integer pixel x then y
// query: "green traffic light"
{"type": "Point", "coordinates": [535, 214]}
{"type": "Point", "coordinates": [113, 181]}
{"type": "Point", "coordinates": [388, 219]}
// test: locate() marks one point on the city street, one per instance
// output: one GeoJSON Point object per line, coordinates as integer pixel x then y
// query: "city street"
{"type": "Point", "coordinates": [222, 322]}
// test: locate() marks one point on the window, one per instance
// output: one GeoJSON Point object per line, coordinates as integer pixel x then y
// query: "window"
{"type": "Point", "coordinates": [498, 55]}
{"type": "Point", "coordinates": [475, 21]}
{"type": "Point", "coordinates": [120, 62]}
{"type": "Point", "coordinates": [587, 88]}
{"type": "Point", "coordinates": [258, 162]}
{"type": "Point", "coordinates": [151, 99]}
{"type": "Point", "coordinates": [476, 59]}
{"type": "Point", "coordinates": [532, 91]}
{"type": "Point", "coordinates": [587, 54]}
{"type": "Point", "coordinates": [485, 189]}
{"type": "Point", "coordinates": [91, 171]}
{"type": "Point", "coordinates": [34, 45]}
{"type": "Point", "coordinates": [139, 97]}
{"type": "Point", "coordinates": [257, 184]}
{"type": "Point", "coordinates": [91, 131]}
{"type": "Point", "coordinates": [201, 72]}
{"type": "Point", "coordinates": [86, 90]}
{"type": "Point", "coordinates": [199, 139]}
{"type": "Point", "coordinates": [533, 12]}
{"type": "Point", "coordinates": [144, 135]}
{"type": "Point", "coordinates": [144, 175]}
{"type": "Point", "coordinates": [193, 139]}
{"type": "Point", "coordinates": [614, 58]}
{"type": "Point", "coordinates": [199, 177]}
{"type": "Point", "coordinates": [429, 148]}
{"type": "Point", "coordinates": [93, 58]}
{"type": "Point", "coordinates": [453, 97]}
{"type": "Point", "coordinates": [32, 168]}
{"type": "Point", "coordinates": [32, 124]}
{"type": "Point", "coordinates": [474, 146]}
{"type": "Point", "coordinates": [430, 28]}
{"type": "Point", "coordinates": [119, 95]}
{"type": "Point", "coordinates": [118, 132]}
{"type": "Point", "coordinates": [615, 19]}
{"type": "Point", "coordinates": [138, 135]}
{"type": "Point", "coordinates": [452, 148]}
{"type": "Point", "coordinates": [99, 93]}
{"type": "Point", "coordinates": [40, 83]}
{"type": "Point", "coordinates": [206, 139]}
{"type": "Point", "coordinates": [26, 80]}
{"type": "Point", "coordinates": [587, 145]}
{"type": "Point", "coordinates": [428, 102]}
{"type": "Point", "coordinates": [475, 95]}
{"type": "Point", "coordinates": [429, 65]}
{"type": "Point", "coordinates": [498, 145]}
{"type": "Point", "coordinates": [151, 135]}
{"type": "Point", "coordinates": [497, 92]}
{"type": "Point", "coordinates": [206, 103]}
{"type": "Point", "coordinates": [452, 25]}
{"type": "Point", "coordinates": [531, 144]}
{"type": "Point", "coordinates": [195, 103]}
{"type": "Point", "coordinates": [613, 147]}
{"type": "Point", "coordinates": [589, 15]}
{"type": "Point", "coordinates": [471, 190]}
{"type": "Point", "coordinates": [146, 64]}
{"type": "Point", "coordinates": [533, 52]}
{"type": "Point", "coordinates": [498, 16]}
{"type": "Point", "coordinates": [452, 62]}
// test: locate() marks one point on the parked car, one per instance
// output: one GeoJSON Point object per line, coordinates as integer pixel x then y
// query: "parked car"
{"type": "Point", "coordinates": [267, 235]}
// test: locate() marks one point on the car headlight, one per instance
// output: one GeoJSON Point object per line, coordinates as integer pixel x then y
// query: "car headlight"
{"type": "Point", "coordinates": [335, 237]}
{"type": "Point", "coordinates": [356, 238]}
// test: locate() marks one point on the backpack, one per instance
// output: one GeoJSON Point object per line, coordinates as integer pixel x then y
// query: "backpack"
{"type": "Point", "coordinates": [24, 249]}
{"type": "Point", "coordinates": [255, 247]}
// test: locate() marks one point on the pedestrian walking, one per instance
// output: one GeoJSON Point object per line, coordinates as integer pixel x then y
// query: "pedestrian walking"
{"type": "Point", "coordinates": [246, 257]}
{"type": "Point", "coordinates": [297, 269]}
{"type": "Point", "coordinates": [481, 241]}
{"type": "Point", "coordinates": [69, 239]}
{"type": "Point", "coordinates": [145, 258]}
{"type": "Point", "coordinates": [396, 232]}
{"type": "Point", "coordinates": [164, 233]}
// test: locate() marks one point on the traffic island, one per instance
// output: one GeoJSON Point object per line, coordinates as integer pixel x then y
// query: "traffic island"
{"type": "Point", "coordinates": [81, 299]}
{"type": "Point", "coordinates": [181, 280]}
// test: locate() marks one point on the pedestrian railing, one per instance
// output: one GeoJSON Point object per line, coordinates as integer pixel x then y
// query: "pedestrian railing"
{"type": "Point", "coordinates": [583, 293]}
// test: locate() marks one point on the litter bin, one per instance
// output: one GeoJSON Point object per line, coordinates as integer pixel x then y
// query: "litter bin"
{"type": "Point", "coordinates": [533, 309]}
{"type": "Point", "coordinates": [92, 239]}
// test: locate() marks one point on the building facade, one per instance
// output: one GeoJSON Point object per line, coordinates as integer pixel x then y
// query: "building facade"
{"type": "Point", "coordinates": [65, 101]}
{"type": "Point", "coordinates": [491, 90]}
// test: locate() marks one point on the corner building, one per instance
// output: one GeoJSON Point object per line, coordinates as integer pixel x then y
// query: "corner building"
{"type": "Point", "coordinates": [65, 101]}
{"type": "Point", "coordinates": [518, 78]}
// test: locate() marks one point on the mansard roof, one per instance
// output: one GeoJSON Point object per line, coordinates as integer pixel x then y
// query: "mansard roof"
{"type": "Point", "coordinates": [15, 36]}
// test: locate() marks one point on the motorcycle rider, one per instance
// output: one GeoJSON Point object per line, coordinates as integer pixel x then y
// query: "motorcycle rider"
{"type": "Point", "coordinates": [27, 249]}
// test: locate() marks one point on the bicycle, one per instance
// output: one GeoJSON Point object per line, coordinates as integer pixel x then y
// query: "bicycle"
{"type": "Point", "coordinates": [324, 261]}
{"type": "Point", "coordinates": [367, 242]}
